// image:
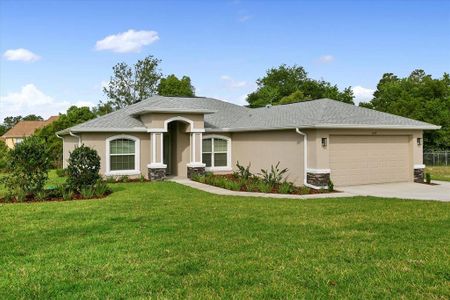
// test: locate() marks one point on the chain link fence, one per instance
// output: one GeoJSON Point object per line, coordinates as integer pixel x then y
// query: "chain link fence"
{"type": "Point", "coordinates": [437, 158]}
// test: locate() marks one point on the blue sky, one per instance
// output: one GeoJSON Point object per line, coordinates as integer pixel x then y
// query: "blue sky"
{"type": "Point", "coordinates": [224, 46]}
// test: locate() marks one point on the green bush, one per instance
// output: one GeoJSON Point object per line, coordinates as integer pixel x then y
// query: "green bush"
{"type": "Point", "coordinates": [330, 186]}
{"type": "Point", "coordinates": [28, 166]}
{"type": "Point", "coordinates": [4, 152]}
{"type": "Point", "coordinates": [286, 188]}
{"type": "Point", "coordinates": [264, 187]}
{"type": "Point", "coordinates": [124, 178]}
{"type": "Point", "coordinates": [87, 192]}
{"type": "Point", "coordinates": [101, 189]}
{"type": "Point", "coordinates": [428, 178]}
{"type": "Point", "coordinates": [243, 172]}
{"type": "Point", "coordinates": [83, 168]}
{"type": "Point", "coordinates": [232, 185]}
{"type": "Point", "coordinates": [274, 176]}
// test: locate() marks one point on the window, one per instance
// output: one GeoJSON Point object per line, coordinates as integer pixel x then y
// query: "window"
{"type": "Point", "coordinates": [122, 155]}
{"type": "Point", "coordinates": [216, 153]}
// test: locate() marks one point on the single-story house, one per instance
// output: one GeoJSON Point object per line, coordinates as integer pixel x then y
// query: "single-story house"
{"type": "Point", "coordinates": [24, 129]}
{"type": "Point", "coordinates": [316, 140]}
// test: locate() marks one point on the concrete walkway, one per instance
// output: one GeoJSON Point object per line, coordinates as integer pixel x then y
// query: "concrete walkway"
{"type": "Point", "coordinates": [220, 191]}
{"type": "Point", "coordinates": [403, 190]}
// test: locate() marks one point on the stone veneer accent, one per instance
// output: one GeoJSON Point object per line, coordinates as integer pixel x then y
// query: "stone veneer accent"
{"type": "Point", "coordinates": [318, 179]}
{"type": "Point", "coordinates": [195, 171]}
{"type": "Point", "coordinates": [419, 175]}
{"type": "Point", "coordinates": [157, 174]}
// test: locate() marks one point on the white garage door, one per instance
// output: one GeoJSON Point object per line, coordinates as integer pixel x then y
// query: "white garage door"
{"type": "Point", "coordinates": [369, 159]}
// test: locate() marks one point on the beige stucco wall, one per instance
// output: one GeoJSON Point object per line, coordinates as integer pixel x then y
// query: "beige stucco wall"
{"type": "Point", "coordinates": [98, 142]}
{"type": "Point", "coordinates": [69, 144]}
{"type": "Point", "coordinates": [10, 142]}
{"type": "Point", "coordinates": [266, 148]}
{"type": "Point", "coordinates": [156, 120]}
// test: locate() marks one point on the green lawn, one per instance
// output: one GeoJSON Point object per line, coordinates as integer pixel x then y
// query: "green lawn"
{"type": "Point", "coordinates": [439, 172]}
{"type": "Point", "coordinates": [164, 240]}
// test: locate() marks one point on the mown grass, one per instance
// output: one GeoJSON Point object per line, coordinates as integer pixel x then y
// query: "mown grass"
{"type": "Point", "coordinates": [164, 240]}
{"type": "Point", "coordinates": [439, 172]}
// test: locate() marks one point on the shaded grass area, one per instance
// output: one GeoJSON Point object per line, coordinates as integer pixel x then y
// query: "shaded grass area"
{"type": "Point", "coordinates": [170, 241]}
{"type": "Point", "coordinates": [439, 172]}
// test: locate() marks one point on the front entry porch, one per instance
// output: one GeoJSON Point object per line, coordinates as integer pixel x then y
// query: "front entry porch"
{"type": "Point", "coordinates": [176, 151]}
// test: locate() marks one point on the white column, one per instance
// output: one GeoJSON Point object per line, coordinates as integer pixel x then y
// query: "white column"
{"type": "Point", "coordinates": [157, 145]}
{"type": "Point", "coordinates": [196, 138]}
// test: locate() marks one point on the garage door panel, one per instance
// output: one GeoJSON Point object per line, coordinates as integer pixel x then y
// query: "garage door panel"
{"type": "Point", "coordinates": [369, 159]}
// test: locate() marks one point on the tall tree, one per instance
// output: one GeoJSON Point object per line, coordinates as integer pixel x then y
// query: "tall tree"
{"type": "Point", "coordinates": [129, 85]}
{"type": "Point", "coordinates": [418, 96]}
{"type": "Point", "coordinates": [172, 86]}
{"type": "Point", "coordinates": [288, 84]}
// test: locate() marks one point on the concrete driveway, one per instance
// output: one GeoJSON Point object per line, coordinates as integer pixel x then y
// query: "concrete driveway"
{"type": "Point", "coordinates": [403, 190]}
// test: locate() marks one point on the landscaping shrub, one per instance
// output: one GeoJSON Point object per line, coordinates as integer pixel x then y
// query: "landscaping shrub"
{"type": "Point", "coordinates": [4, 152]}
{"type": "Point", "coordinates": [83, 168]}
{"type": "Point", "coordinates": [286, 188]}
{"type": "Point", "coordinates": [243, 172]}
{"type": "Point", "coordinates": [28, 166]}
{"type": "Point", "coordinates": [274, 176]}
{"type": "Point", "coordinates": [101, 189]}
{"type": "Point", "coordinates": [87, 192]}
{"type": "Point", "coordinates": [264, 187]}
{"type": "Point", "coordinates": [330, 186]}
{"type": "Point", "coordinates": [124, 178]}
{"type": "Point", "coordinates": [428, 178]}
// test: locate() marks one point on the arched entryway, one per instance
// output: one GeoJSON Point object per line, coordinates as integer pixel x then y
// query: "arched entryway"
{"type": "Point", "coordinates": [176, 148]}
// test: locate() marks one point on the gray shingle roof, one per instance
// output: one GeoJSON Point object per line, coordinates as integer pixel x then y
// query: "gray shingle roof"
{"type": "Point", "coordinates": [224, 116]}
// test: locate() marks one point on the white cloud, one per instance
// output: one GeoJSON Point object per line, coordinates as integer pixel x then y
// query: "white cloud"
{"type": "Point", "coordinates": [326, 59]}
{"type": "Point", "coordinates": [232, 83]}
{"type": "Point", "coordinates": [21, 54]}
{"type": "Point", "coordinates": [31, 100]}
{"type": "Point", "coordinates": [362, 94]}
{"type": "Point", "coordinates": [129, 41]}
{"type": "Point", "coordinates": [244, 18]}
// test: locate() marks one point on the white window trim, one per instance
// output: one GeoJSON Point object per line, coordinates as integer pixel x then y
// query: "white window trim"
{"type": "Point", "coordinates": [224, 168]}
{"type": "Point", "coordinates": [137, 156]}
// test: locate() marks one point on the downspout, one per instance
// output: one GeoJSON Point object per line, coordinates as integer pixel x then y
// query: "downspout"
{"type": "Point", "coordinates": [77, 136]}
{"type": "Point", "coordinates": [305, 154]}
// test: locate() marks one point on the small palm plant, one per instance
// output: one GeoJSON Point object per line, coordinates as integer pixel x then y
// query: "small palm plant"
{"type": "Point", "coordinates": [274, 176]}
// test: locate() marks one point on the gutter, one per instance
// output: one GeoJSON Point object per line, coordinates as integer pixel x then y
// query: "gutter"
{"type": "Point", "coordinates": [77, 136]}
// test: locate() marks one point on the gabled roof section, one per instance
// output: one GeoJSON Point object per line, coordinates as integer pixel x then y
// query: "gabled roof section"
{"type": "Point", "coordinates": [224, 116]}
{"type": "Point", "coordinates": [27, 128]}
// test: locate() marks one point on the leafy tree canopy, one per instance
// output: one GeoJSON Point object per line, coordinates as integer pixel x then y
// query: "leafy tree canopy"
{"type": "Point", "coordinates": [287, 84]}
{"type": "Point", "coordinates": [129, 85]}
{"type": "Point", "coordinates": [420, 97]}
{"type": "Point", "coordinates": [172, 86]}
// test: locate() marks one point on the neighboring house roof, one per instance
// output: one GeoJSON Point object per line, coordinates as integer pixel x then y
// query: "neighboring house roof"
{"type": "Point", "coordinates": [224, 116]}
{"type": "Point", "coordinates": [27, 128]}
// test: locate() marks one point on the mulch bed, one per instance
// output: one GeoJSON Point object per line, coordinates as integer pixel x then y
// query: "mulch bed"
{"type": "Point", "coordinates": [275, 190]}
{"type": "Point", "coordinates": [31, 199]}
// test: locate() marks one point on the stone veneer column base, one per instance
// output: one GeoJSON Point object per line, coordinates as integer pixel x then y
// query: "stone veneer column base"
{"type": "Point", "coordinates": [319, 180]}
{"type": "Point", "coordinates": [191, 171]}
{"type": "Point", "coordinates": [419, 175]}
{"type": "Point", "coordinates": [156, 174]}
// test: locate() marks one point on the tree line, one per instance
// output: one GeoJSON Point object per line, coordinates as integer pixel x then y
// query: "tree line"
{"type": "Point", "coordinates": [418, 96]}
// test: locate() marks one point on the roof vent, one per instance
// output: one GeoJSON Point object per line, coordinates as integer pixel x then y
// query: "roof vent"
{"type": "Point", "coordinates": [268, 105]}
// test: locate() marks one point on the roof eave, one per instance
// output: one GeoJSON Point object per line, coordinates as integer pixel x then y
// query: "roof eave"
{"type": "Point", "coordinates": [174, 110]}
